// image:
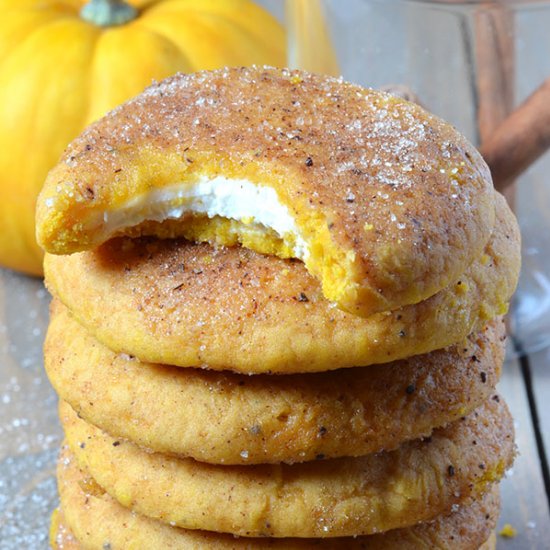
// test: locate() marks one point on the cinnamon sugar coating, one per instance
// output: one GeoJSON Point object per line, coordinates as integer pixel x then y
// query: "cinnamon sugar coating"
{"type": "Point", "coordinates": [419, 481]}
{"type": "Point", "coordinates": [61, 537]}
{"type": "Point", "coordinates": [393, 203]}
{"type": "Point", "coordinates": [99, 520]}
{"type": "Point", "coordinates": [214, 416]}
{"type": "Point", "coordinates": [183, 304]}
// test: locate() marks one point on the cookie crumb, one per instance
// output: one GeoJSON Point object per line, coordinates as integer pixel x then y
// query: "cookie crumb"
{"type": "Point", "coordinates": [508, 531]}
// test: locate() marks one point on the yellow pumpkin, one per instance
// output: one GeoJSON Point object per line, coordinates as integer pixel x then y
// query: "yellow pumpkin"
{"type": "Point", "coordinates": [63, 65]}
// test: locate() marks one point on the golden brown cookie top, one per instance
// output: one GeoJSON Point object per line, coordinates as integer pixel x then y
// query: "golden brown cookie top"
{"type": "Point", "coordinates": [385, 203]}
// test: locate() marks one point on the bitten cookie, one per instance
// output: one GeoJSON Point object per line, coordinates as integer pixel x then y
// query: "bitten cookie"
{"type": "Point", "coordinates": [385, 203]}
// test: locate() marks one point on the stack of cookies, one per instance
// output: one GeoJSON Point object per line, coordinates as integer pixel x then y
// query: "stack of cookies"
{"type": "Point", "coordinates": [276, 321]}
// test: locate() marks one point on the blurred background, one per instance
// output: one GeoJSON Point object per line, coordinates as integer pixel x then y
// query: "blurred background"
{"type": "Point", "coordinates": [483, 66]}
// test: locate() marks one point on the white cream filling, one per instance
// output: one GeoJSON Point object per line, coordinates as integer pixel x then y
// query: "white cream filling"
{"type": "Point", "coordinates": [236, 199]}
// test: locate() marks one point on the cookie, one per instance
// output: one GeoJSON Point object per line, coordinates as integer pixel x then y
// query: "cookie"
{"type": "Point", "coordinates": [417, 482]}
{"type": "Point", "coordinates": [100, 522]}
{"type": "Point", "coordinates": [183, 304]}
{"type": "Point", "coordinates": [384, 203]}
{"type": "Point", "coordinates": [215, 416]}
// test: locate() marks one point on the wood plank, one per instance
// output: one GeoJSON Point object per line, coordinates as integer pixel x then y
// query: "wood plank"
{"type": "Point", "coordinates": [540, 376]}
{"type": "Point", "coordinates": [524, 500]}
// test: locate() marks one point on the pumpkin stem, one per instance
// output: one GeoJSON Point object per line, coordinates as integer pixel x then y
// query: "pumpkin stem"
{"type": "Point", "coordinates": [108, 13]}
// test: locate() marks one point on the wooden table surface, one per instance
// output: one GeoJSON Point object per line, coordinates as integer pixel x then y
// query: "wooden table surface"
{"type": "Point", "coordinates": [30, 434]}
{"type": "Point", "coordinates": [526, 489]}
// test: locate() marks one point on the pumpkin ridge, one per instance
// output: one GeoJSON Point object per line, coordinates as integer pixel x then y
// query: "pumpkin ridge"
{"type": "Point", "coordinates": [88, 87]}
{"type": "Point", "coordinates": [18, 242]}
{"type": "Point", "coordinates": [220, 21]}
{"type": "Point", "coordinates": [30, 35]}
{"type": "Point", "coordinates": [223, 14]}
{"type": "Point", "coordinates": [252, 10]}
{"type": "Point", "coordinates": [186, 49]}
{"type": "Point", "coordinates": [213, 29]}
{"type": "Point", "coordinates": [157, 31]}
